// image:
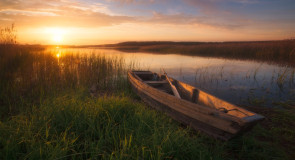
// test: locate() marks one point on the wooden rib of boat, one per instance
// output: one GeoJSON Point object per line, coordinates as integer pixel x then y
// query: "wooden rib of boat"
{"type": "Point", "coordinates": [195, 108]}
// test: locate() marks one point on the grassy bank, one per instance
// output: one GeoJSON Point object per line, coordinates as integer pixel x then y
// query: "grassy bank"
{"type": "Point", "coordinates": [73, 125]}
{"type": "Point", "coordinates": [58, 105]}
{"type": "Point", "coordinates": [282, 52]}
{"type": "Point", "coordinates": [76, 126]}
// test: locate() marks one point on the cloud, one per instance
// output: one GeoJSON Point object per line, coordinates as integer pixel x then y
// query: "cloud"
{"type": "Point", "coordinates": [186, 19]}
{"type": "Point", "coordinates": [8, 3]}
{"type": "Point", "coordinates": [214, 14]}
{"type": "Point", "coordinates": [172, 18]}
{"type": "Point", "coordinates": [133, 1]}
{"type": "Point", "coordinates": [246, 1]}
{"type": "Point", "coordinates": [58, 13]}
{"type": "Point", "coordinates": [81, 14]}
{"type": "Point", "coordinates": [93, 20]}
{"type": "Point", "coordinates": [216, 7]}
{"type": "Point", "coordinates": [206, 6]}
{"type": "Point", "coordinates": [28, 13]}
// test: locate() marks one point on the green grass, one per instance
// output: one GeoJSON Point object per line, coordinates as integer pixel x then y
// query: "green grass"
{"type": "Point", "coordinates": [47, 112]}
{"type": "Point", "coordinates": [73, 125]}
{"type": "Point", "coordinates": [76, 126]}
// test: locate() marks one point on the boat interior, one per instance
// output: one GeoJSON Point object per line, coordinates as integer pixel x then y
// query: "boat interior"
{"type": "Point", "coordinates": [155, 80]}
{"type": "Point", "coordinates": [190, 93]}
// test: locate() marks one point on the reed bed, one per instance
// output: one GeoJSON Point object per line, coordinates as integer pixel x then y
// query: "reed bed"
{"type": "Point", "coordinates": [251, 86]}
{"type": "Point", "coordinates": [280, 52]}
{"type": "Point", "coordinates": [32, 74]}
{"type": "Point", "coordinates": [47, 112]}
{"type": "Point", "coordinates": [210, 75]}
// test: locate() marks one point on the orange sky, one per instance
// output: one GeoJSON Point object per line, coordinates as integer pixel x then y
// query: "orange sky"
{"type": "Point", "coordinates": [110, 21]}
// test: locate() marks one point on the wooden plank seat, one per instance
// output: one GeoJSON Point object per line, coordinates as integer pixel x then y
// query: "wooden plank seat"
{"type": "Point", "coordinates": [156, 82]}
{"type": "Point", "coordinates": [166, 91]}
{"type": "Point", "coordinates": [143, 72]}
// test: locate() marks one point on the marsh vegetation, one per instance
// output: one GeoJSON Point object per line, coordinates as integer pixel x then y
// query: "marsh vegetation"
{"type": "Point", "coordinates": [278, 52]}
{"type": "Point", "coordinates": [47, 112]}
{"type": "Point", "coordinates": [76, 104]}
{"type": "Point", "coordinates": [8, 35]}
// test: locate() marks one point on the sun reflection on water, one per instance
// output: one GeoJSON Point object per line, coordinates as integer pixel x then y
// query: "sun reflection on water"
{"type": "Point", "coordinates": [232, 80]}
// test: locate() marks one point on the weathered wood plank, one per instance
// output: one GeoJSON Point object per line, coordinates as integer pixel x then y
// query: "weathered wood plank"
{"type": "Point", "coordinates": [143, 72]}
{"type": "Point", "coordinates": [195, 124]}
{"type": "Point", "coordinates": [204, 116]}
{"type": "Point", "coordinates": [137, 77]}
{"type": "Point", "coordinates": [156, 82]}
{"type": "Point", "coordinates": [209, 100]}
{"type": "Point", "coordinates": [197, 107]}
{"type": "Point", "coordinates": [253, 118]}
{"type": "Point", "coordinates": [180, 106]}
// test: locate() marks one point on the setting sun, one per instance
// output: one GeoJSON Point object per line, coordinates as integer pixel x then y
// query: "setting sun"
{"type": "Point", "coordinates": [57, 34]}
{"type": "Point", "coordinates": [147, 79]}
{"type": "Point", "coordinates": [57, 38]}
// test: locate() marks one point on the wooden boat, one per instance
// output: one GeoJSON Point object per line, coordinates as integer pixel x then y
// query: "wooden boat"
{"type": "Point", "coordinates": [195, 108]}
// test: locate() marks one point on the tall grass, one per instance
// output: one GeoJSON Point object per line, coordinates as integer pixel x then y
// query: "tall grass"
{"type": "Point", "coordinates": [47, 113]}
{"type": "Point", "coordinates": [28, 75]}
{"type": "Point", "coordinates": [8, 35]}
{"type": "Point", "coordinates": [104, 128]}
{"type": "Point", "coordinates": [254, 84]}
{"type": "Point", "coordinates": [72, 125]}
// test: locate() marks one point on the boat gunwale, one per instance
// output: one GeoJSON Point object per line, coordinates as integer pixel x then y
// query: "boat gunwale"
{"type": "Point", "coordinates": [196, 107]}
{"type": "Point", "coordinates": [214, 111]}
{"type": "Point", "coordinates": [204, 118]}
{"type": "Point", "coordinates": [222, 124]}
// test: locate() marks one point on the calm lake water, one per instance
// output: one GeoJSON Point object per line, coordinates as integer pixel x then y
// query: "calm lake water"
{"type": "Point", "coordinates": [237, 81]}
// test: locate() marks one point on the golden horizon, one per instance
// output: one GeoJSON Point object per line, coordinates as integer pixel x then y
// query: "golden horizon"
{"type": "Point", "coordinates": [109, 21]}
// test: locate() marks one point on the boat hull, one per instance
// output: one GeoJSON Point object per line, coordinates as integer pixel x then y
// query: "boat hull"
{"type": "Point", "coordinates": [198, 117]}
